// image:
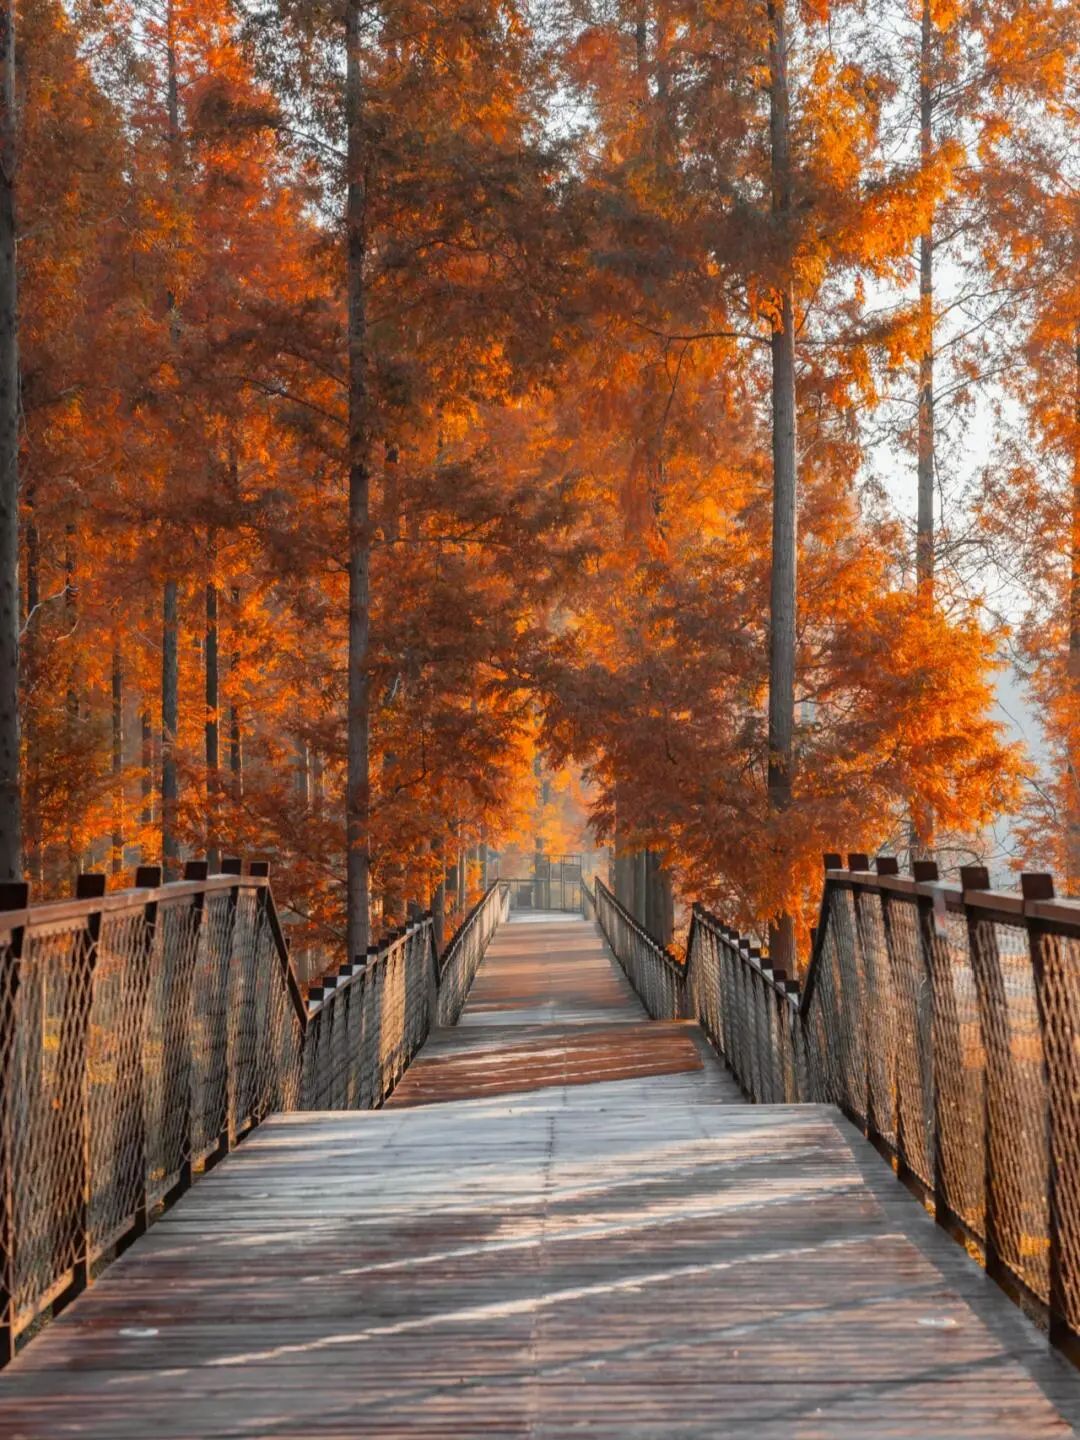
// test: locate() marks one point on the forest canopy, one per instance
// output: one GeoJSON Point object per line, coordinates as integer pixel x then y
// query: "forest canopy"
{"type": "Point", "coordinates": [422, 419]}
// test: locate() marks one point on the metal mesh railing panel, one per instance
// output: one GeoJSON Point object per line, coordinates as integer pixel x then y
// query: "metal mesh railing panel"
{"type": "Point", "coordinates": [879, 1011]}
{"type": "Point", "coordinates": [211, 1021]}
{"type": "Point", "coordinates": [139, 1039]}
{"type": "Point", "coordinates": [911, 999]}
{"type": "Point", "coordinates": [959, 1074]}
{"type": "Point", "coordinates": [169, 1043]}
{"type": "Point", "coordinates": [114, 1076]}
{"type": "Point", "coordinates": [465, 951]}
{"type": "Point", "coordinates": [44, 1099]}
{"type": "Point", "coordinates": [1060, 1003]}
{"type": "Point", "coordinates": [949, 1027]}
{"type": "Point", "coordinates": [655, 976]}
{"type": "Point", "coordinates": [750, 1017]}
{"type": "Point", "coordinates": [1016, 1102]}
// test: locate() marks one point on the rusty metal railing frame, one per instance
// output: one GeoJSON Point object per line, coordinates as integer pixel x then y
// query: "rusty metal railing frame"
{"type": "Point", "coordinates": [652, 969]}
{"type": "Point", "coordinates": [943, 1020]}
{"type": "Point", "coordinates": [153, 1008]}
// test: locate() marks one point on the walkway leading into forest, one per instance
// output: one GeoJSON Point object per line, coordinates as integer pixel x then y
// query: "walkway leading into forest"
{"type": "Point", "coordinates": [562, 1223]}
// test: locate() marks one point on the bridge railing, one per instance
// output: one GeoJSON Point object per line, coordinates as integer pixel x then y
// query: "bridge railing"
{"type": "Point", "coordinates": [143, 1032]}
{"type": "Point", "coordinates": [749, 1011]}
{"type": "Point", "coordinates": [460, 960]}
{"type": "Point", "coordinates": [650, 967]}
{"type": "Point", "coordinates": [944, 1020]}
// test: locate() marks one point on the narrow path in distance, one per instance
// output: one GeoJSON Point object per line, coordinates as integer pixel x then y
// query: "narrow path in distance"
{"type": "Point", "coordinates": [550, 1006]}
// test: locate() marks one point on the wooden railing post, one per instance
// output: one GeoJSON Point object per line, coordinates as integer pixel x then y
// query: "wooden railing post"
{"type": "Point", "coordinates": [13, 896]}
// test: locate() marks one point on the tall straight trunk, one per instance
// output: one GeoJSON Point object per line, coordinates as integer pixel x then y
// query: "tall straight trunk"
{"type": "Point", "coordinates": [462, 879]}
{"type": "Point", "coordinates": [146, 760]}
{"type": "Point", "coordinates": [1072, 780]}
{"type": "Point", "coordinates": [438, 913]}
{"type": "Point", "coordinates": [33, 564]}
{"type": "Point", "coordinates": [924, 540]}
{"type": "Point", "coordinates": [661, 922]}
{"type": "Point", "coordinates": [785, 478]}
{"type": "Point", "coordinates": [641, 888]}
{"type": "Point", "coordinates": [73, 705]}
{"type": "Point", "coordinates": [170, 721]}
{"type": "Point", "coordinates": [394, 906]}
{"type": "Point", "coordinates": [170, 650]}
{"type": "Point", "coordinates": [116, 864]}
{"type": "Point", "coordinates": [11, 858]}
{"type": "Point", "coordinates": [358, 788]}
{"type": "Point", "coordinates": [33, 845]}
{"type": "Point", "coordinates": [211, 652]}
{"type": "Point", "coordinates": [922, 819]}
{"type": "Point", "coordinates": [318, 782]}
{"type": "Point", "coordinates": [450, 889]}
{"type": "Point", "coordinates": [302, 774]}
{"type": "Point", "coordinates": [623, 867]}
{"type": "Point", "coordinates": [236, 743]}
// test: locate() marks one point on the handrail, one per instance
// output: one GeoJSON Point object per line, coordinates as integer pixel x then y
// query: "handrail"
{"type": "Point", "coordinates": [944, 1021]}
{"type": "Point", "coordinates": [460, 960]}
{"type": "Point", "coordinates": [143, 1033]}
{"type": "Point", "coordinates": [653, 971]}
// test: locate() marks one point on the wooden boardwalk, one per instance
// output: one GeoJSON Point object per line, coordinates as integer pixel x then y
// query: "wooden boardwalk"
{"type": "Point", "coordinates": [562, 1224]}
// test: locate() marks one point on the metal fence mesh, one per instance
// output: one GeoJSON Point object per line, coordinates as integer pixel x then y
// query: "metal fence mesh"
{"type": "Point", "coordinates": [143, 1033]}
{"type": "Point", "coordinates": [652, 970]}
{"type": "Point", "coordinates": [945, 1023]}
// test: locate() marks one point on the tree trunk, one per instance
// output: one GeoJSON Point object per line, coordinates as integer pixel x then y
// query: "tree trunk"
{"type": "Point", "coordinates": [74, 705]}
{"type": "Point", "coordinates": [922, 820]}
{"type": "Point", "coordinates": [302, 775]}
{"type": "Point", "coordinates": [170, 649]}
{"type": "Point", "coordinates": [462, 880]}
{"type": "Point", "coordinates": [1072, 844]}
{"type": "Point", "coordinates": [29, 659]}
{"type": "Point", "coordinates": [211, 652]}
{"type": "Point", "coordinates": [785, 479]}
{"type": "Point", "coordinates": [170, 720]}
{"type": "Point", "coordinates": [924, 542]}
{"type": "Point", "coordinates": [317, 783]}
{"type": "Point", "coordinates": [146, 726]}
{"type": "Point", "coordinates": [117, 857]}
{"type": "Point", "coordinates": [438, 913]}
{"type": "Point", "coordinates": [641, 888]}
{"type": "Point", "coordinates": [11, 859]}
{"type": "Point", "coordinates": [623, 877]}
{"type": "Point", "coordinates": [661, 901]}
{"type": "Point", "coordinates": [236, 748]}
{"type": "Point", "coordinates": [358, 797]}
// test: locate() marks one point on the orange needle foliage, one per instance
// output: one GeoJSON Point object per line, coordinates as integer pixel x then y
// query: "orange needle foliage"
{"type": "Point", "coordinates": [573, 269]}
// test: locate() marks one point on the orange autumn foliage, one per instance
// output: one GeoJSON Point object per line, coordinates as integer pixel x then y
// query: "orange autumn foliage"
{"type": "Point", "coordinates": [572, 274]}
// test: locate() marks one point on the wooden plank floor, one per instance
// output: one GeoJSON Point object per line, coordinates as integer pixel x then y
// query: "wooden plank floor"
{"type": "Point", "coordinates": [550, 1007]}
{"type": "Point", "coordinates": [614, 1254]}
